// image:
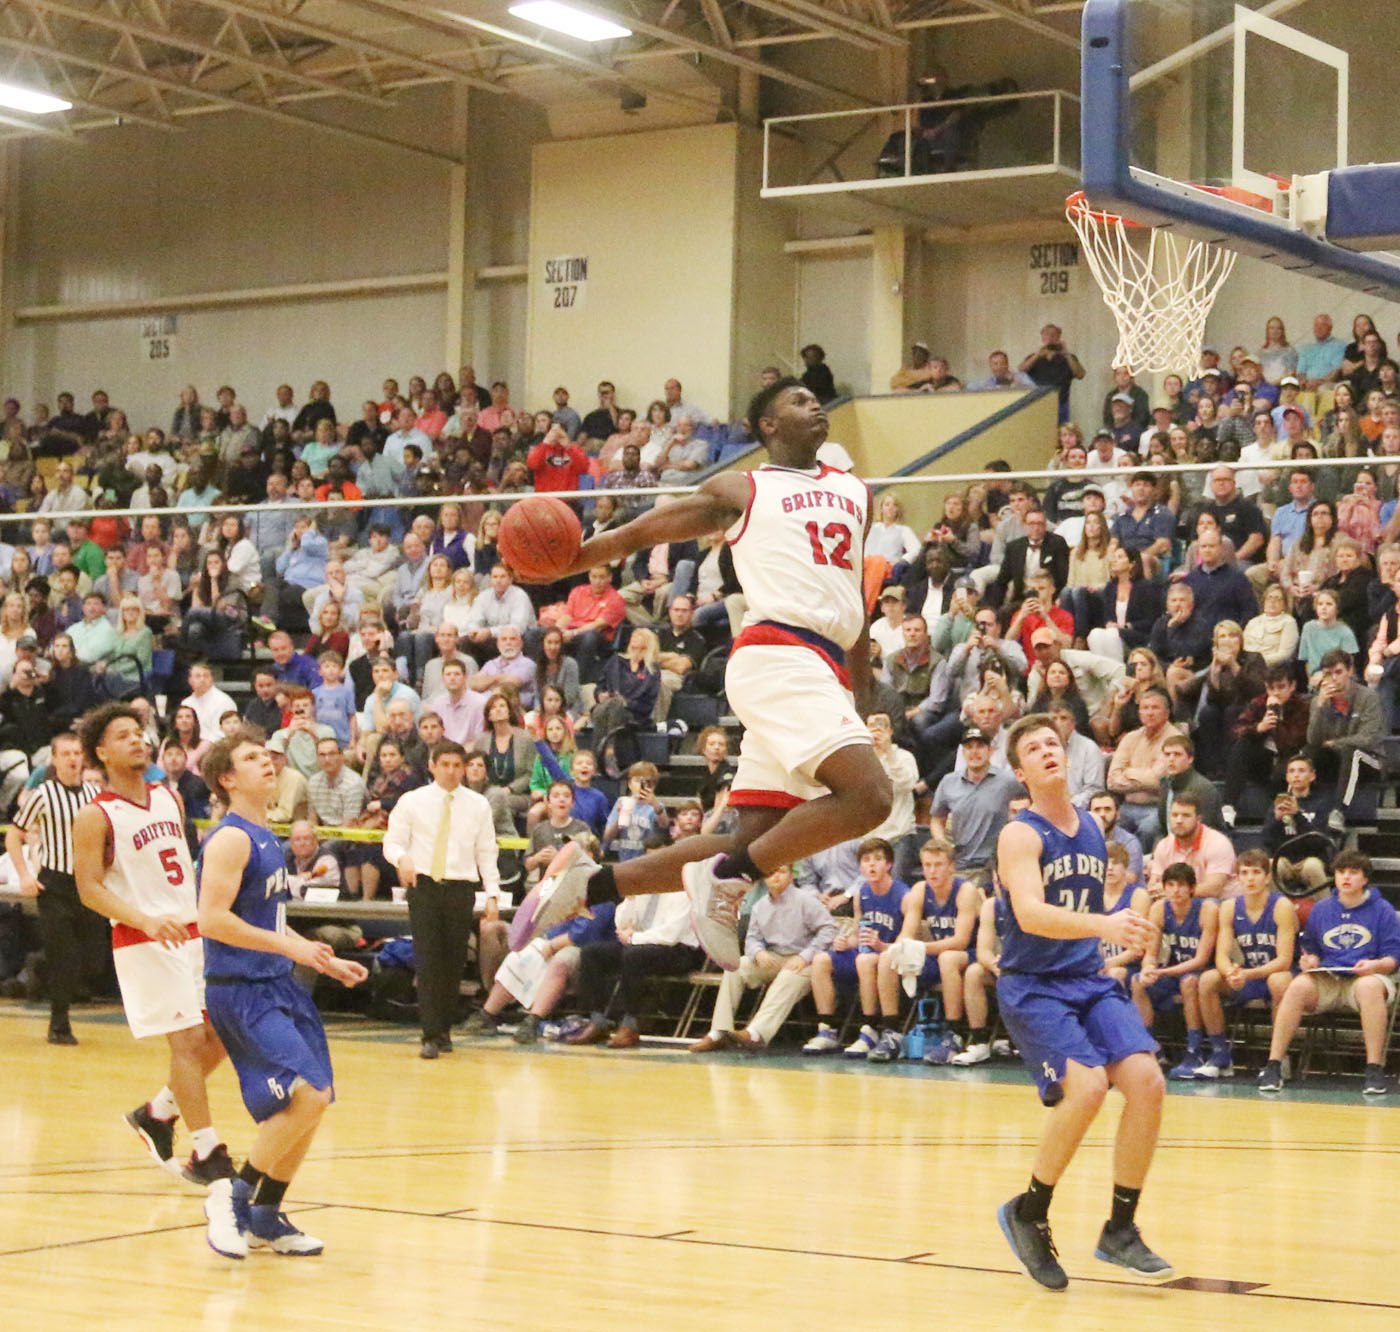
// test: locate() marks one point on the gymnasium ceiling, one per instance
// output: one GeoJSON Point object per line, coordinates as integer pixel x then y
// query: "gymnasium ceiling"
{"type": "Point", "coordinates": [344, 65]}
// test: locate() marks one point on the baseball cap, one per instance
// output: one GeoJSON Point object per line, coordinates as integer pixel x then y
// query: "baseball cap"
{"type": "Point", "coordinates": [1162, 407]}
{"type": "Point", "coordinates": [1211, 348]}
{"type": "Point", "coordinates": [1206, 374]}
{"type": "Point", "coordinates": [976, 736]}
{"type": "Point", "coordinates": [27, 640]}
{"type": "Point", "coordinates": [892, 594]}
{"type": "Point", "coordinates": [1123, 397]}
{"type": "Point", "coordinates": [919, 346]}
{"type": "Point", "coordinates": [1295, 411]}
{"type": "Point", "coordinates": [1093, 490]}
{"type": "Point", "coordinates": [1103, 434]}
{"type": "Point", "coordinates": [1288, 381]}
{"type": "Point", "coordinates": [1249, 359]}
{"type": "Point", "coordinates": [277, 745]}
{"type": "Point", "coordinates": [1044, 634]}
{"type": "Point", "coordinates": [964, 585]}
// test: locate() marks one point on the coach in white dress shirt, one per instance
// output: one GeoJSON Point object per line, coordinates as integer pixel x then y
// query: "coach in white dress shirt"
{"type": "Point", "coordinates": [442, 840]}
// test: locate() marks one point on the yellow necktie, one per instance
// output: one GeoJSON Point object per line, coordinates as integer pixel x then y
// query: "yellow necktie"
{"type": "Point", "coordinates": [437, 871]}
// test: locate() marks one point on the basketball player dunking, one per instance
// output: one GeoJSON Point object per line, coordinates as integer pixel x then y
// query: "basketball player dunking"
{"type": "Point", "coordinates": [132, 865]}
{"type": "Point", "coordinates": [267, 1021]}
{"type": "Point", "coordinates": [1077, 1031]}
{"type": "Point", "coordinates": [798, 676]}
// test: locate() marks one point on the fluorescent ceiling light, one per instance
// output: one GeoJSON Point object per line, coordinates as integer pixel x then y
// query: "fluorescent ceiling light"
{"type": "Point", "coordinates": [18, 98]}
{"type": "Point", "coordinates": [559, 17]}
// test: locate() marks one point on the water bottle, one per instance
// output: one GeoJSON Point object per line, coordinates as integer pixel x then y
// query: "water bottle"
{"type": "Point", "coordinates": [865, 923]}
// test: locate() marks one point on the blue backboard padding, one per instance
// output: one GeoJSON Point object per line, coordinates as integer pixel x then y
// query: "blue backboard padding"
{"type": "Point", "coordinates": [1109, 181]}
{"type": "Point", "coordinates": [1363, 206]}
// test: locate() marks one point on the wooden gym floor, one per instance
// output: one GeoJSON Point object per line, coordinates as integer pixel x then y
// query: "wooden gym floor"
{"type": "Point", "coordinates": [504, 1188]}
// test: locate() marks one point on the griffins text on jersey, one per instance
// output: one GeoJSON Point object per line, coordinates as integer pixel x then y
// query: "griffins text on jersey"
{"type": "Point", "coordinates": [158, 828]}
{"type": "Point", "coordinates": [817, 498]}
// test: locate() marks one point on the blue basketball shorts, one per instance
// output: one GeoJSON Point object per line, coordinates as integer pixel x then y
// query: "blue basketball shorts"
{"type": "Point", "coordinates": [1247, 993]}
{"type": "Point", "coordinates": [1164, 993]}
{"type": "Point", "coordinates": [931, 977]}
{"type": "Point", "coordinates": [274, 1038]}
{"type": "Point", "coordinates": [843, 969]}
{"type": "Point", "coordinates": [1055, 1019]}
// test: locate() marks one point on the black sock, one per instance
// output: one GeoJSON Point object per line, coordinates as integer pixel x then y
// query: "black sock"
{"type": "Point", "coordinates": [251, 1176]}
{"type": "Point", "coordinates": [977, 1035]}
{"type": "Point", "coordinates": [269, 1192]}
{"type": "Point", "coordinates": [738, 865]}
{"type": "Point", "coordinates": [602, 887]}
{"type": "Point", "coordinates": [58, 1017]}
{"type": "Point", "coordinates": [1035, 1201]}
{"type": "Point", "coordinates": [1125, 1201]}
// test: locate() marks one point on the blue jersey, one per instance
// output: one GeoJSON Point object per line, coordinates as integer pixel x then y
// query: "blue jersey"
{"type": "Point", "coordinates": [1257, 939]}
{"type": "Point", "coordinates": [941, 918]}
{"type": "Point", "coordinates": [1182, 937]}
{"type": "Point", "coordinates": [1072, 867]}
{"type": "Point", "coordinates": [261, 900]}
{"type": "Point", "coordinates": [1125, 900]}
{"type": "Point", "coordinates": [883, 912]}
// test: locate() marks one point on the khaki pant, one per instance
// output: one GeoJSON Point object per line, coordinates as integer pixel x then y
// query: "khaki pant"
{"type": "Point", "coordinates": [1310, 872]}
{"type": "Point", "coordinates": [786, 989]}
{"type": "Point", "coordinates": [670, 682]}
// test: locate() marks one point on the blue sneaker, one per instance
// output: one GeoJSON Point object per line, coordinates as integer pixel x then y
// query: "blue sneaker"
{"type": "Point", "coordinates": [1219, 1065]}
{"type": "Point", "coordinates": [887, 1048]}
{"type": "Point", "coordinates": [270, 1229]}
{"type": "Point", "coordinates": [944, 1048]}
{"type": "Point", "coordinates": [1190, 1067]}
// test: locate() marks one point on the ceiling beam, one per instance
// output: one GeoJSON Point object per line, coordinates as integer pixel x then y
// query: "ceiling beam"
{"type": "Point", "coordinates": [997, 9]}
{"type": "Point", "coordinates": [169, 38]}
{"type": "Point", "coordinates": [228, 103]}
{"type": "Point", "coordinates": [813, 15]}
{"type": "Point", "coordinates": [352, 41]}
{"type": "Point", "coordinates": [980, 16]}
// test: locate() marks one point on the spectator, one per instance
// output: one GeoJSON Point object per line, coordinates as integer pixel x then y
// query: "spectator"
{"type": "Point", "coordinates": [1343, 727]}
{"type": "Point", "coordinates": [898, 829]}
{"type": "Point", "coordinates": [593, 612]}
{"type": "Point", "coordinates": [509, 750]}
{"type": "Point", "coordinates": [193, 793]}
{"type": "Point", "coordinates": [1295, 834]}
{"type": "Point", "coordinates": [308, 863]}
{"type": "Point", "coordinates": [26, 727]}
{"type": "Point", "coordinates": [93, 637]}
{"type": "Point", "coordinates": [636, 816]}
{"type": "Point", "coordinates": [1207, 852]}
{"type": "Point", "coordinates": [290, 800]}
{"type": "Point", "coordinates": [186, 731]}
{"type": "Point", "coordinates": [1182, 637]}
{"type": "Point", "coordinates": [1320, 361]}
{"type": "Point", "coordinates": [682, 456]}
{"type": "Point", "coordinates": [302, 732]}
{"type": "Point", "coordinates": [1145, 526]}
{"type": "Point", "coordinates": [510, 664]}
{"type": "Point", "coordinates": [1052, 365]}
{"type": "Point", "coordinates": [462, 710]}
{"type": "Point", "coordinates": [1325, 634]}
{"type": "Point", "coordinates": [1001, 375]}
{"type": "Point", "coordinates": [910, 670]}
{"type": "Point", "coordinates": [1273, 633]}
{"type": "Point", "coordinates": [262, 709]}
{"type": "Point", "coordinates": [1084, 758]}
{"type": "Point", "coordinates": [1125, 386]}
{"type": "Point", "coordinates": [1139, 764]}
{"type": "Point", "coordinates": [787, 929]}
{"type": "Point", "coordinates": [1182, 780]}
{"type": "Point", "coordinates": [1348, 951]}
{"type": "Point", "coordinates": [300, 567]}
{"type": "Point", "coordinates": [502, 604]}
{"type": "Point", "coordinates": [289, 665]}
{"type": "Point", "coordinates": [976, 801]}
{"type": "Point", "coordinates": [335, 700]}
{"type": "Point", "coordinates": [206, 699]}
{"type": "Point", "coordinates": [1219, 588]}
{"type": "Point", "coordinates": [556, 827]}
{"type": "Point", "coordinates": [602, 421]}
{"type": "Point", "coordinates": [629, 685]}
{"type": "Point", "coordinates": [1104, 806]}
{"type": "Point", "coordinates": [446, 640]}
{"type": "Point", "coordinates": [1184, 928]}
{"type": "Point", "coordinates": [1039, 549]}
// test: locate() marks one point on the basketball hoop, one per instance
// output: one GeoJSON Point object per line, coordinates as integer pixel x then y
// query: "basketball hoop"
{"type": "Point", "coordinates": [1161, 294]}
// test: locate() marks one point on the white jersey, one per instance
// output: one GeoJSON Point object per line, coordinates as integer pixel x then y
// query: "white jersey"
{"type": "Point", "coordinates": [799, 550]}
{"type": "Point", "coordinates": [148, 859]}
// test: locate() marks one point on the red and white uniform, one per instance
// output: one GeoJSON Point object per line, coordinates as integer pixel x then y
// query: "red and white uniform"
{"type": "Point", "coordinates": [799, 556]}
{"type": "Point", "coordinates": [148, 865]}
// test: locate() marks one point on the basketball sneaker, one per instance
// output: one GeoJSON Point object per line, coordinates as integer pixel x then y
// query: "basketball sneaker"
{"type": "Point", "coordinates": [226, 1210]}
{"type": "Point", "coordinates": [1033, 1246]}
{"type": "Point", "coordinates": [714, 910]}
{"type": "Point", "coordinates": [563, 889]}
{"type": "Point", "coordinates": [824, 1042]}
{"type": "Point", "coordinates": [269, 1229]}
{"type": "Point", "coordinates": [1271, 1079]}
{"type": "Point", "coordinates": [1377, 1084]}
{"type": "Point", "coordinates": [974, 1054]}
{"type": "Point", "coordinates": [1189, 1069]}
{"type": "Point", "coordinates": [1125, 1248]}
{"type": "Point", "coordinates": [1220, 1065]}
{"type": "Point", "coordinates": [863, 1044]}
{"type": "Point", "coordinates": [527, 1030]}
{"type": "Point", "coordinates": [887, 1048]}
{"type": "Point", "coordinates": [158, 1135]}
{"type": "Point", "coordinates": [216, 1166]}
{"type": "Point", "coordinates": [944, 1048]}
{"type": "Point", "coordinates": [481, 1023]}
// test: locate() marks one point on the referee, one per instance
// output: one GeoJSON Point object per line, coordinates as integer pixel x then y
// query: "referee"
{"type": "Point", "coordinates": [71, 933]}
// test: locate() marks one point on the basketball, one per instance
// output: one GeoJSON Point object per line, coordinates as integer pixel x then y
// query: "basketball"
{"type": "Point", "coordinates": [540, 538]}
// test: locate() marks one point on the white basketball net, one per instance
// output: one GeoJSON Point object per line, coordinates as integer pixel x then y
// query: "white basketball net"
{"type": "Point", "coordinates": [1161, 294]}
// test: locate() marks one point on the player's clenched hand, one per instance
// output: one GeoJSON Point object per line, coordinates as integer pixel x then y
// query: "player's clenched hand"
{"type": "Point", "coordinates": [168, 930]}
{"type": "Point", "coordinates": [309, 953]}
{"type": "Point", "coordinates": [348, 973]}
{"type": "Point", "coordinates": [1128, 930]}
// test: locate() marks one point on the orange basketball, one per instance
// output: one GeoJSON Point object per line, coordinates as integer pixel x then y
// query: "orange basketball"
{"type": "Point", "coordinates": [540, 538]}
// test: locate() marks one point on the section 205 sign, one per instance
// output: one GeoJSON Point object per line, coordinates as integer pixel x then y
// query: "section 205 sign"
{"type": "Point", "coordinates": [566, 282]}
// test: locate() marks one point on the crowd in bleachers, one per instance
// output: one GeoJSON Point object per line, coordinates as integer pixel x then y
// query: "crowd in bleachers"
{"type": "Point", "coordinates": [1220, 651]}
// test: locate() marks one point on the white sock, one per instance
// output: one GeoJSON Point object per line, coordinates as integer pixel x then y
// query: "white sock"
{"type": "Point", "coordinates": [205, 1140]}
{"type": "Point", "coordinates": [163, 1104]}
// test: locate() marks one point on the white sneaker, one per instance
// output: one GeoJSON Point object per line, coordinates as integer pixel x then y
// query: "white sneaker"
{"type": "Point", "coordinates": [1227, 815]}
{"type": "Point", "coordinates": [714, 911]}
{"type": "Point", "coordinates": [1002, 1050]}
{"type": "Point", "coordinates": [824, 1042]}
{"type": "Point", "coordinates": [563, 890]}
{"type": "Point", "coordinates": [863, 1044]}
{"type": "Point", "coordinates": [974, 1054]}
{"type": "Point", "coordinates": [225, 1235]}
{"type": "Point", "coordinates": [281, 1236]}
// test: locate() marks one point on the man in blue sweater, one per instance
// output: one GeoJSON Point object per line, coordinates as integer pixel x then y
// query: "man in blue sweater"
{"type": "Point", "coordinates": [1349, 951]}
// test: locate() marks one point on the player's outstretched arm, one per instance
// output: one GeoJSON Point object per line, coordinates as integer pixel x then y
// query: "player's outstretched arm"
{"type": "Point", "coordinates": [89, 870]}
{"type": "Point", "coordinates": [1018, 863]}
{"type": "Point", "coordinates": [225, 858]}
{"type": "Point", "coordinates": [709, 508]}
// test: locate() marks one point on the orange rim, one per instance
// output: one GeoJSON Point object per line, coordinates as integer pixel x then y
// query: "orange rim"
{"type": "Point", "coordinates": [1077, 205]}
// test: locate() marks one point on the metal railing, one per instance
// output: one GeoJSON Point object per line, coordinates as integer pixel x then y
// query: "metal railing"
{"type": "Point", "coordinates": [1046, 138]}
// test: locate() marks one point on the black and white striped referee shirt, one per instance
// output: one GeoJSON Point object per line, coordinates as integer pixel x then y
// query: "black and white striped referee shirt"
{"type": "Point", "coordinates": [51, 807]}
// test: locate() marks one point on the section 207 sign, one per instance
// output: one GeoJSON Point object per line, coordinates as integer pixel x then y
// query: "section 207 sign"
{"type": "Point", "coordinates": [566, 282]}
